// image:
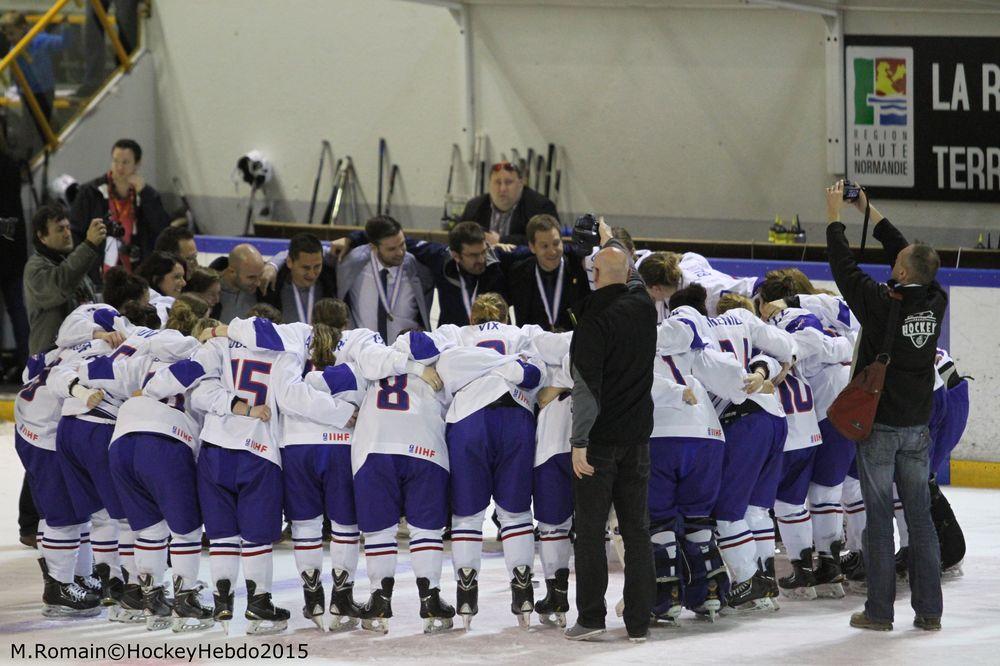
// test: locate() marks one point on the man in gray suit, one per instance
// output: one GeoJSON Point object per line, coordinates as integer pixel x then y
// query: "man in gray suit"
{"type": "Point", "coordinates": [388, 290]}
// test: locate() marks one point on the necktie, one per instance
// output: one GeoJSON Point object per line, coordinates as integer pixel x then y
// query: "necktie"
{"type": "Point", "coordinates": [383, 324]}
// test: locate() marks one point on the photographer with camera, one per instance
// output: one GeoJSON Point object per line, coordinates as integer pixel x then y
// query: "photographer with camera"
{"type": "Point", "coordinates": [55, 277]}
{"type": "Point", "coordinates": [132, 209]}
{"type": "Point", "coordinates": [900, 319]}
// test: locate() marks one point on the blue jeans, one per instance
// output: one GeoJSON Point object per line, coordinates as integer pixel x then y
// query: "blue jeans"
{"type": "Point", "coordinates": [899, 454]}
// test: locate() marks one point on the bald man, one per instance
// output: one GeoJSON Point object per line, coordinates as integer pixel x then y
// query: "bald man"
{"type": "Point", "coordinates": [611, 356]}
{"type": "Point", "coordinates": [241, 276]}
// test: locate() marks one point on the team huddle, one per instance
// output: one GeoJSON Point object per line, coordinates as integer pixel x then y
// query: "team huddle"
{"type": "Point", "coordinates": [146, 427]}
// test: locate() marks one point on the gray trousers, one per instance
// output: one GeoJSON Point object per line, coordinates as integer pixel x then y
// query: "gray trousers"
{"type": "Point", "coordinates": [126, 16]}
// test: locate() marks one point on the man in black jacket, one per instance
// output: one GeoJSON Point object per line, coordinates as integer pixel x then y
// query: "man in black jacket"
{"type": "Point", "coordinates": [307, 275]}
{"type": "Point", "coordinates": [123, 195]}
{"type": "Point", "coordinates": [505, 210]}
{"type": "Point", "coordinates": [898, 447]}
{"type": "Point", "coordinates": [612, 364]}
{"type": "Point", "coordinates": [548, 288]}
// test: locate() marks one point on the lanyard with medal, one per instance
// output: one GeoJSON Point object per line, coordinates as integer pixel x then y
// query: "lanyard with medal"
{"type": "Point", "coordinates": [551, 310]}
{"type": "Point", "coordinates": [304, 316]}
{"type": "Point", "coordinates": [388, 303]}
{"type": "Point", "coordinates": [466, 301]}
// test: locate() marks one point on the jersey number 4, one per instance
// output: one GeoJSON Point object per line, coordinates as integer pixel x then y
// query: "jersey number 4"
{"type": "Point", "coordinates": [392, 394]}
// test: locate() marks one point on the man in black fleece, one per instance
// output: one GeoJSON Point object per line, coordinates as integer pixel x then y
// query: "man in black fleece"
{"type": "Point", "coordinates": [612, 364]}
{"type": "Point", "coordinates": [898, 448]}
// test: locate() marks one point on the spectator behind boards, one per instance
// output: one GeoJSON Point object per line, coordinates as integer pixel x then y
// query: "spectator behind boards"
{"type": "Point", "coordinates": [241, 274]}
{"type": "Point", "coordinates": [179, 241]}
{"type": "Point", "coordinates": [306, 275]}
{"type": "Point", "coordinates": [385, 286]}
{"type": "Point", "coordinates": [898, 448]}
{"type": "Point", "coordinates": [548, 288]}
{"type": "Point", "coordinates": [123, 196]}
{"type": "Point", "coordinates": [504, 212]}
{"type": "Point", "coordinates": [55, 277]}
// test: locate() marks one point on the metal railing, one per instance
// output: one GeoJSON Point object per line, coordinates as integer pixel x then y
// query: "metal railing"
{"type": "Point", "coordinates": [50, 138]}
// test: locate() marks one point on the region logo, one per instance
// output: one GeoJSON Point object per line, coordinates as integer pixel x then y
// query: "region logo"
{"type": "Point", "coordinates": [919, 327]}
{"type": "Point", "coordinates": [880, 91]}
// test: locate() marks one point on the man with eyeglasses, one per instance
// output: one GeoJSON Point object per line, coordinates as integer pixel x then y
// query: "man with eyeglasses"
{"type": "Point", "coordinates": [463, 269]}
{"type": "Point", "coordinates": [504, 211]}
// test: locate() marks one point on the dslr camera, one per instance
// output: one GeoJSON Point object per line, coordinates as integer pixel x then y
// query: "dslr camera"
{"type": "Point", "coordinates": [585, 234]}
{"type": "Point", "coordinates": [113, 227]}
{"type": "Point", "coordinates": [8, 227]}
{"type": "Point", "coordinates": [852, 190]}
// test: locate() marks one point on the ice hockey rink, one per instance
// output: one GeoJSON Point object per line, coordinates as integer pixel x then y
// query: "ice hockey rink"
{"type": "Point", "coordinates": [814, 632]}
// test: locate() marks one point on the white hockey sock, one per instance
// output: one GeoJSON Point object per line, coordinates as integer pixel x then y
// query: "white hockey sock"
{"type": "Point", "coordinates": [795, 526]}
{"type": "Point", "coordinates": [554, 547]}
{"type": "Point", "coordinates": [344, 548]}
{"type": "Point", "coordinates": [185, 557]}
{"type": "Point", "coordinates": [126, 550]}
{"type": "Point", "coordinates": [380, 555]}
{"type": "Point", "coordinates": [827, 516]}
{"type": "Point", "coordinates": [224, 559]}
{"type": "Point", "coordinates": [517, 534]}
{"type": "Point", "coordinates": [59, 546]}
{"type": "Point", "coordinates": [854, 512]}
{"type": "Point", "coordinates": [104, 541]}
{"type": "Point", "coordinates": [426, 553]}
{"type": "Point", "coordinates": [736, 543]}
{"type": "Point", "coordinates": [897, 505]}
{"type": "Point", "coordinates": [762, 527]}
{"type": "Point", "coordinates": [467, 541]}
{"type": "Point", "coordinates": [151, 551]}
{"type": "Point", "coordinates": [258, 565]}
{"type": "Point", "coordinates": [307, 535]}
{"type": "Point", "coordinates": [84, 556]}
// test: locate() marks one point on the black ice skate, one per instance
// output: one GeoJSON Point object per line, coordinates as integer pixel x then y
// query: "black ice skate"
{"type": "Point", "coordinates": [522, 595]}
{"type": "Point", "coordinates": [437, 614]}
{"type": "Point", "coordinates": [315, 598]}
{"type": "Point", "coordinates": [553, 608]}
{"type": "Point", "coordinates": [767, 571]}
{"type": "Point", "coordinates": [67, 599]}
{"type": "Point", "coordinates": [750, 594]}
{"type": "Point", "coordinates": [111, 588]}
{"type": "Point", "coordinates": [156, 608]}
{"type": "Point", "coordinates": [90, 583]}
{"type": "Point", "coordinates": [223, 612]}
{"type": "Point", "coordinates": [189, 614]}
{"type": "Point", "coordinates": [376, 612]}
{"type": "Point", "coordinates": [828, 575]}
{"type": "Point", "coordinates": [344, 612]}
{"type": "Point", "coordinates": [802, 583]}
{"type": "Point", "coordinates": [130, 608]}
{"type": "Point", "coordinates": [264, 616]}
{"type": "Point", "coordinates": [667, 607]}
{"type": "Point", "coordinates": [467, 595]}
{"type": "Point", "coordinates": [853, 566]}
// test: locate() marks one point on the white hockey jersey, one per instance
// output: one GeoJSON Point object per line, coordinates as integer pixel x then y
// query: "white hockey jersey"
{"type": "Point", "coordinates": [832, 312]}
{"type": "Point", "coordinates": [316, 409]}
{"type": "Point", "coordinates": [555, 420]}
{"type": "Point", "coordinates": [81, 324]}
{"type": "Point", "coordinates": [695, 268]}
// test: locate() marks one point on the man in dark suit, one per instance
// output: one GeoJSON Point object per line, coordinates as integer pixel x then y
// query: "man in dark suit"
{"type": "Point", "coordinates": [504, 212]}
{"type": "Point", "coordinates": [306, 275]}
{"type": "Point", "coordinates": [549, 287]}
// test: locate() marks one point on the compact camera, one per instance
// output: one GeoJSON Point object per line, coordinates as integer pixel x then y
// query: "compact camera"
{"type": "Point", "coordinates": [114, 229]}
{"type": "Point", "coordinates": [585, 234]}
{"type": "Point", "coordinates": [852, 190]}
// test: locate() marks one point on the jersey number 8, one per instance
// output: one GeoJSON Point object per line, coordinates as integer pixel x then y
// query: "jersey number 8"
{"type": "Point", "coordinates": [392, 395]}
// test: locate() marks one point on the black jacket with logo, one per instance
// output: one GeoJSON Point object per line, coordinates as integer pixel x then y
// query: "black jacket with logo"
{"type": "Point", "coordinates": [909, 381]}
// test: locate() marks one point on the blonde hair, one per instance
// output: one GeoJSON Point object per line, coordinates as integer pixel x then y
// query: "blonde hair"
{"type": "Point", "coordinates": [733, 301]}
{"type": "Point", "coordinates": [181, 317]}
{"type": "Point", "coordinates": [490, 306]}
{"type": "Point", "coordinates": [204, 324]}
{"type": "Point", "coordinates": [661, 269]}
{"type": "Point", "coordinates": [331, 311]}
{"type": "Point", "coordinates": [323, 345]}
{"type": "Point", "coordinates": [195, 302]}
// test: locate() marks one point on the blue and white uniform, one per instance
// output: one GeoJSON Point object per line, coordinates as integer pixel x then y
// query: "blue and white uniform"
{"type": "Point", "coordinates": [695, 268]}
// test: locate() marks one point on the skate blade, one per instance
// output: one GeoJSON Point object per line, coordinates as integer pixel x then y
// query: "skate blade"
{"type": "Point", "coordinates": [436, 625]}
{"type": "Point", "coordinates": [858, 587]}
{"type": "Point", "coordinates": [343, 623]}
{"type": "Point", "coordinates": [158, 623]}
{"type": "Point", "coordinates": [266, 627]}
{"type": "Point", "coordinates": [755, 606]}
{"type": "Point", "coordinates": [377, 624]}
{"type": "Point", "coordinates": [799, 593]}
{"type": "Point", "coordinates": [181, 625]}
{"type": "Point", "coordinates": [63, 612]}
{"type": "Point", "coordinates": [667, 620]}
{"type": "Point", "coordinates": [318, 621]}
{"type": "Point", "coordinates": [620, 607]}
{"type": "Point", "coordinates": [225, 626]}
{"type": "Point", "coordinates": [466, 621]}
{"type": "Point", "coordinates": [710, 610]}
{"type": "Point", "coordinates": [524, 620]}
{"type": "Point", "coordinates": [830, 591]}
{"type": "Point", "coordinates": [124, 615]}
{"type": "Point", "coordinates": [952, 572]}
{"type": "Point", "coordinates": [553, 619]}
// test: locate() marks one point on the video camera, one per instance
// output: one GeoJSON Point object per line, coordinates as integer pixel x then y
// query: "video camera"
{"type": "Point", "coordinates": [585, 234]}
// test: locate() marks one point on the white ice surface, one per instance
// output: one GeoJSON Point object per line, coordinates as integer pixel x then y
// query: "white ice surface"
{"type": "Point", "coordinates": [801, 633]}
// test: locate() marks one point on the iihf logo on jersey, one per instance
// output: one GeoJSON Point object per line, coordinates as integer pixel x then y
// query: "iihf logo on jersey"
{"type": "Point", "coordinates": [919, 327]}
{"type": "Point", "coordinates": [422, 451]}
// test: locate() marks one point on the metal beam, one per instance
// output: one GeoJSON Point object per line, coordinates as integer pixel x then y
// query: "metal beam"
{"type": "Point", "coordinates": [796, 6]}
{"type": "Point", "coordinates": [835, 138]}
